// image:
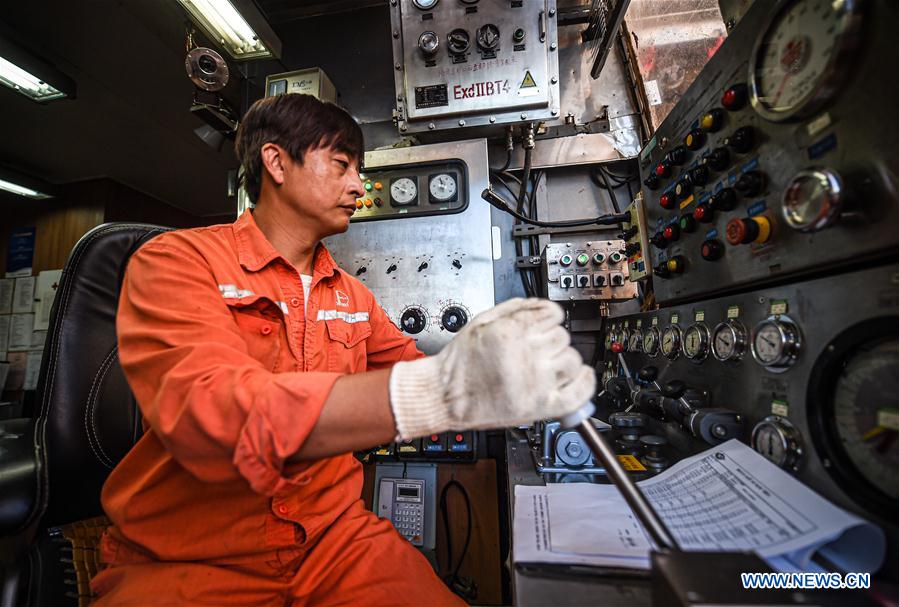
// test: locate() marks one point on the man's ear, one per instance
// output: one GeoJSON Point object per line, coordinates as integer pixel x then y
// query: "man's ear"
{"type": "Point", "coordinates": [273, 157]}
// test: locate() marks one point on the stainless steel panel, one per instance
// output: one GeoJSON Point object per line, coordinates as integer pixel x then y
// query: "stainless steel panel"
{"type": "Point", "coordinates": [518, 80]}
{"type": "Point", "coordinates": [583, 148]}
{"type": "Point", "coordinates": [407, 242]}
{"type": "Point", "coordinates": [604, 280]}
{"type": "Point", "coordinates": [854, 136]}
{"type": "Point", "coordinates": [822, 309]}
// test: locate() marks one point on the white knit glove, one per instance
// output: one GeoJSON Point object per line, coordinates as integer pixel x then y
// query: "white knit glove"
{"type": "Point", "coordinates": [510, 365]}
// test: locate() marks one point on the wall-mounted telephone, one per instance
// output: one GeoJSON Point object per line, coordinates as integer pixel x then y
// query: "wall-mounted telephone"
{"type": "Point", "coordinates": [402, 501]}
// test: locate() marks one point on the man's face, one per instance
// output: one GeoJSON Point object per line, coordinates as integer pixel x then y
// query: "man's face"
{"type": "Point", "coordinates": [323, 189]}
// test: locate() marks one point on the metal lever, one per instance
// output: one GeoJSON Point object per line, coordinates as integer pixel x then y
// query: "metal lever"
{"type": "Point", "coordinates": [651, 521]}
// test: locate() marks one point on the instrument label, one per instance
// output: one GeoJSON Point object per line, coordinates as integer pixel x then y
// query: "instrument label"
{"type": "Point", "coordinates": [778, 307]}
{"type": "Point", "coordinates": [699, 316]}
{"type": "Point", "coordinates": [733, 311]}
{"type": "Point", "coordinates": [674, 319]}
{"type": "Point", "coordinates": [631, 463]}
{"type": "Point", "coordinates": [780, 407]}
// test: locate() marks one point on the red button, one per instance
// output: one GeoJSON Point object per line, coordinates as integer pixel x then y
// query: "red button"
{"type": "Point", "coordinates": [617, 348]}
{"type": "Point", "coordinates": [282, 509]}
{"type": "Point", "coordinates": [667, 201]}
{"type": "Point", "coordinates": [434, 438]}
{"type": "Point", "coordinates": [459, 438]}
{"type": "Point", "coordinates": [266, 329]}
{"type": "Point", "coordinates": [295, 302]}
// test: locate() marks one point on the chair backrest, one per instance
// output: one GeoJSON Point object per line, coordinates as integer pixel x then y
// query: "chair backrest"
{"type": "Point", "coordinates": [86, 418]}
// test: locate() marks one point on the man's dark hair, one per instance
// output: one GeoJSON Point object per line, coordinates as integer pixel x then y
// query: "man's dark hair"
{"type": "Point", "coordinates": [297, 123]}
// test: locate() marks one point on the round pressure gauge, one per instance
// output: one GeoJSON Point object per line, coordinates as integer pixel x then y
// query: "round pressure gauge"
{"type": "Point", "coordinates": [651, 341]}
{"type": "Point", "coordinates": [776, 343]}
{"type": "Point", "coordinates": [778, 441]}
{"type": "Point", "coordinates": [696, 342]}
{"type": "Point", "coordinates": [671, 339]}
{"type": "Point", "coordinates": [729, 341]}
{"type": "Point", "coordinates": [812, 200]}
{"type": "Point", "coordinates": [425, 5]}
{"type": "Point", "coordinates": [800, 59]}
{"type": "Point", "coordinates": [403, 191]}
{"type": "Point", "coordinates": [442, 187]}
{"type": "Point", "coordinates": [636, 341]}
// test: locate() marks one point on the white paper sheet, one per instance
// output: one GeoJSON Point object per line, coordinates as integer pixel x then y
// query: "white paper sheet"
{"type": "Point", "coordinates": [7, 285]}
{"type": "Point", "coordinates": [32, 370]}
{"type": "Point", "coordinates": [728, 498]}
{"type": "Point", "coordinates": [20, 331]}
{"type": "Point", "coordinates": [4, 332]}
{"type": "Point", "coordinates": [44, 294]}
{"type": "Point", "coordinates": [23, 295]}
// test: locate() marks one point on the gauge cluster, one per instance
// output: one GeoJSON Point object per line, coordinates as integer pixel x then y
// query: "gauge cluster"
{"type": "Point", "coordinates": [811, 368]}
{"type": "Point", "coordinates": [777, 161]}
{"type": "Point", "coordinates": [412, 191]}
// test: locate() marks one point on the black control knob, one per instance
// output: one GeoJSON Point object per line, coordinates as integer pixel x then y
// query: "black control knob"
{"type": "Point", "coordinates": [683, 188]}
{"type": "Point", "coordinates": [652, 182]}
{"type": "Point", "coordinates": [699, 175]}
{"type": "Point", "coordinates": [661, 271]}
{"type": "Point", "coordinates": [658, 240]}
{"type": "Point", "coordinates": [718, 159]}
{"type": "Point", "coordinates": [362, 270]}
{"type": "Point", "coordinates": [618, 388]}
{"type": "Point", "coordinates": [677, 155]}
{"type": "Point", "coordinates": [724, 200]}
{"type": "Point", "coordinates": [458, 41]}
{"type": "Point", "coordinates": [695, 139]}
{"type": "Point", "coordinates": [648, 374]}
{"type": "Point", "coordinates": [751, 183]}
{"type": "Point", "coordinates": [413, 321]}
{"type": "Point", "coordinates": [488, 37]}
{"type": "Point", "coordinates": [742, 139]}
{"type": "Point", "coordinates": [453, 319]}
{"type": "Point", "coordinates": [712, 249]}
{"type": "Point", "coordinates": [674, 389]}
{"type": "Point", "coordinates": [632, 249]}
{"type": "Point", "coordinates": [687, 224]}
{"type": "Point", "coordinates": [672, 232]}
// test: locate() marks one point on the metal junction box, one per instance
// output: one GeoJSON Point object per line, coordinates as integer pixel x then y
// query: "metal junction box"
{"type": "Point", "coordinates": [465, 63]}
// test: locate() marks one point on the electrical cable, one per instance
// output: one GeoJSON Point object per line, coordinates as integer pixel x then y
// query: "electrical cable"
{"type": "Point", "coordinates": [500, 203]}
{"type": "Point", "coordinates": [461, 586]}
{"type": "Point", "coordinates": [612, 195]}
{"type": "Point", "coordinates": [525, 180]}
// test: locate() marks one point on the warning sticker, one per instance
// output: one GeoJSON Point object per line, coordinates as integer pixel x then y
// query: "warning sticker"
{"type": "Point", "coordinates": [631, 463]}
{"type": "Point", "coordinates": [528, 85]}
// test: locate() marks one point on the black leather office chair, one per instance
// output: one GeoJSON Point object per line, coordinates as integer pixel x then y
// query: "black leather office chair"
{"type": "Point", "coordinates": [53, 467]}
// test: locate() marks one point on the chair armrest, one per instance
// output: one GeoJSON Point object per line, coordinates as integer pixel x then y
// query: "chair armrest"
{"type": "Point", "coordinates": [18, 475]}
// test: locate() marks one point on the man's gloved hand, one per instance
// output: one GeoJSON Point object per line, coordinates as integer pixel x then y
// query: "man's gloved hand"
{"type": "Point", "coordinates": [510, 365]}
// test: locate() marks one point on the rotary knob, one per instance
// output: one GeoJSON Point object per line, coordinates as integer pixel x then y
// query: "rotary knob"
{"type": "Point", "coordinates": [413, 320]}
{"type": "Point", "coordinates": [428, 43]}
{"type": "Point", "coordinates": [718, 159]}
{"type": "Point", "coordinates": [454, 318]}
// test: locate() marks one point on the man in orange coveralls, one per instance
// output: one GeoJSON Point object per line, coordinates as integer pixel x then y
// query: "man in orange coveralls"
{"type": "Point", "coordinates": [260, 366]}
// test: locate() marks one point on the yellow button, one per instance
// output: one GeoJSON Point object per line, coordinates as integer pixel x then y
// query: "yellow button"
{"type": "Point", "coordinates": [764, 225]}
{"type": "Point", "coordinates": [368, 202]}
{"type": "Point", "coordinates": [358, 203]}
{"type": "Point", "coordinates": [689, 140]}
{"type": "Point", "coordinates": [707, 122]}
{"type": "Point", "coordinates": [672, 265]}
{"type": "Point", "coordinates": [378, 185]}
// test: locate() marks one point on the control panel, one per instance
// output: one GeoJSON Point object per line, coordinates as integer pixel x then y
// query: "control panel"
{"type": "Point", "coordinates": [584, 270]}
{"type": "Point", "coordinates": [805, 373]}
{"type": "Point", "coordinates": [636, 241]}
{"type": "Point", "coordinates": [412, 191]}
{"type": "Point", "coordinates": [778, 160]}
{"type": "Point", "coordinates": [428, 259]}
{"type": "Point", "coordinates": [465, 63]}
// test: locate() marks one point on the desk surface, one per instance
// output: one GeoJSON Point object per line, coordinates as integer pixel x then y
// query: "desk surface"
{"type": "Point", "coordinates": [539, 590]}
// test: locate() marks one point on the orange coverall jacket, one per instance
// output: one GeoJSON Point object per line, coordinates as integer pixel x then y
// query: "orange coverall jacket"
{"type": "Point", "coordinates": [231, 375]}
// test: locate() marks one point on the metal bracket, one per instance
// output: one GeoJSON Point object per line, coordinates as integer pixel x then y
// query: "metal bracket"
{"type": "Point", "coordinates": [528, 261]}
{"type": "Point", "coordinates": [526, 231]}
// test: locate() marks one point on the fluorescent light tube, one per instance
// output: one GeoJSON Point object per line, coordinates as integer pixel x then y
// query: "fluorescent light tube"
{"type": "Point", "coordinates": [22, 190]}
{"type": "Point", "coordinates": [26, 83]}
{"type": "Point", "coordinates": [224, 24]}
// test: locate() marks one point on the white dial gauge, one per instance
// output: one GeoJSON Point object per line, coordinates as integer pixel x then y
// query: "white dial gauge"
{"type": "Point", "coordinates": [425, 5]}
{"type": "Point", "coordinates": [729, 341]}
{"type": "Point", "coordinates": [443, 187]}
{"type": "Point", "coordinates": [671, 342]}
{"type": "Point", "coordinates": [696, 342]}
{"type": "Point", "coordinates": [403, 191]}
{"type": "Point", "coordinates": [651, 341]}
{"type": "Point", "coordinates": [775, 343]}
{"type": "Point", "coordinates": [799, 60]}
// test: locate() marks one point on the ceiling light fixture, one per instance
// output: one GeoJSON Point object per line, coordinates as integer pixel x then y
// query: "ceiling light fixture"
{"type": "Point", "coordinates": [237, 25]}
{"type": "Point", "coordinates": [21, 190]}
{"type": "Point", "coordinates": [26, 74]}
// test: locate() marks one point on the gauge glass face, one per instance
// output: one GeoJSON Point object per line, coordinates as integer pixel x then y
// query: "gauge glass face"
{"type": "Point", "coordinates": [770, 441]}
{"type": "Point", "coordinates": [636, 341]}
{"type": "Point", "coordinates": [724, 344]}
{"type": "Point", "coordinates": [794, 56]}
{"type": "Point", "coordinates": [425, 5]}
{"type": "Point", "coordinates": [403, 190]}
{"type": "Point", "coordinates": [651, 341]}
{"type": "Point", "coordinates": [696, 343]}
{"type": "Point", "coordinates": [671, 342]}
{"type": "Point", "coordinates": [866, 416]}
{"type": "Point", "coordinates": [769, 343]}
{"type": "Point", "coordinates": [443, 187]}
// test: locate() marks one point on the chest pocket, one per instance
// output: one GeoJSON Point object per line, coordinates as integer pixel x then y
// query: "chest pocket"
{"type": "Point", "coordinates": [261, 325]}
{"type": "Point", "coordinates": [346, 345]}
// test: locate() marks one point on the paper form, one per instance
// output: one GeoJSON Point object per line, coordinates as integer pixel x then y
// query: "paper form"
{"type": "Point", "coordinates": [728, 498]}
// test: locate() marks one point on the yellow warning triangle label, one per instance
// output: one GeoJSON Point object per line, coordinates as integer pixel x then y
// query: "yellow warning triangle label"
{"type": "Point", "coordinates": [528, 81]}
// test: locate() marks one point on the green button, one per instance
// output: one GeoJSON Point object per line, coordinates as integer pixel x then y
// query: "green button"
{"type": "Point", "coordinates": [565, 260]}
{"type": "Point", "coordinates": [599, 258]}
{"type": "Point", "coordinates": [368, 186]}
{"type": "Point", "coordinates": [616, 257]}
{"type": "Point", "coordinates": [582, 259]}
